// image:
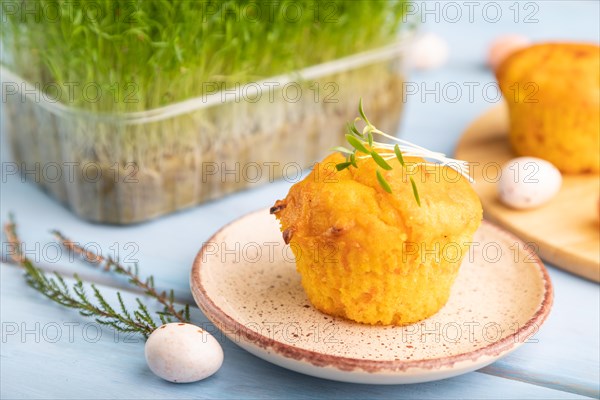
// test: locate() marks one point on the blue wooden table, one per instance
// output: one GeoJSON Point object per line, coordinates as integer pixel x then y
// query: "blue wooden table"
{"type": "Point", "coordinates": [50, 352]}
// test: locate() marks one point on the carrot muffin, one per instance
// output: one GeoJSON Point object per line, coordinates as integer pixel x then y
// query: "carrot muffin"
{"type": "Point", "coordinates": [373, 256]}
{"type": "Point", "coordinates": [553, 96]}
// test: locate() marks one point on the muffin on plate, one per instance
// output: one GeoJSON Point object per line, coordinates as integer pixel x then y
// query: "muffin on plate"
{"type": "Point", "coordinates": [373, 256]}
{"type": "Point", "coordinates": [553, 96]}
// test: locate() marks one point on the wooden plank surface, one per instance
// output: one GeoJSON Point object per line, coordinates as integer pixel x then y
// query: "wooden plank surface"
{"type": "Point", "coordinates": [564, 363]}
{"type": "Point", "coordinates": [76, 359]}
{"type": "Point", "coordinates": [565, 231]}
{"type": "Point", "coordinates": [565, 358]}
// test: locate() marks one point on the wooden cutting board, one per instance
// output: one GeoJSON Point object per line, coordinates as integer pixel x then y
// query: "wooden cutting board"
{"type": "Point", "coordinates": [565, 231]}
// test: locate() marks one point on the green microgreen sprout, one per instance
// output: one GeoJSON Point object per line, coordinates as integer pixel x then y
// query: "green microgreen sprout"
{"type": "Point", "coordinates": [141, 55]}
{"type": "Point", "coordinates": [364, 146]}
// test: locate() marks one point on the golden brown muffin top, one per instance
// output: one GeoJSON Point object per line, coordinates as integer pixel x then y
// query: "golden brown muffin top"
{"type": "Point", "coordinates": [349, 202]}
{"type": "Point", "coordinates": [552, 72]}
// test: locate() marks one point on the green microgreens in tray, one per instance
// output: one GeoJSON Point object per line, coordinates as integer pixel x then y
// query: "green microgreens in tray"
{"type": "Point", "coordinates": [145, 54]}
{"type": "Point", "coordinates": [364, 146]}
{"type": "Point", "coordinates": [75, 296]}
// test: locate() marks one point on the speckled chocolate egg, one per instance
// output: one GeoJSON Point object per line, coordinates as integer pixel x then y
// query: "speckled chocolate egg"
{"type": "Point", "coordinates": [528, 182]}
{"type": "Point", "coordinates": [183, 353]}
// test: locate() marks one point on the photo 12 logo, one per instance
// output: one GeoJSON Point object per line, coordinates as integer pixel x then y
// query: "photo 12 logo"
{"type": "Point", "coordinates": [466, 91]}
{"type": "Point", "coordinates": [253, 92]}
{"type": "Point", "coordinates": [70, 172]}
{"type": "Point", "coordinates": [64, 331]}
{"type": "Point", "coordinates": [70, 92]}
{"type": "Point", "coordinates": [492, 12]}
{"type": "Point", "coordinates": [54, 252]}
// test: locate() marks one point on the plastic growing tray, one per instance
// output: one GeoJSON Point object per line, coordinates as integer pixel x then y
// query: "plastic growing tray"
{"type": "Point", "coordinates": [131, 167]}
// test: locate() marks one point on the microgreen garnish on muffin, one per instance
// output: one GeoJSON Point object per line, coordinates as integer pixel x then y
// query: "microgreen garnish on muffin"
{"type": "Point", "coordinates": [365, 146]}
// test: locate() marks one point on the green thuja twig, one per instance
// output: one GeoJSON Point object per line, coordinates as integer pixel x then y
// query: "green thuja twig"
{"type": "Point", "coordinates": [56, 289]}
{"type": "Point", "coordinates": [53, 286]}
{"type": "Point", "coordinates": [147, 285]}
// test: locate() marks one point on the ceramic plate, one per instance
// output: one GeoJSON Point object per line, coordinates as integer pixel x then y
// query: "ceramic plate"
{"type": "Point", "coordinates": [245, 281]}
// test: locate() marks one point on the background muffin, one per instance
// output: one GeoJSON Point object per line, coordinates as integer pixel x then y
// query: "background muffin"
{"type": "Point", "coordinates": [553, 95]}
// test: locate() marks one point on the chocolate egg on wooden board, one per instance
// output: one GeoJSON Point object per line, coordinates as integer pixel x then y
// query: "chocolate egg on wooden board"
{"type": "Point", "coordinates": [182, 353]}
{"type": "Point", "coordinates": [528, 182]}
